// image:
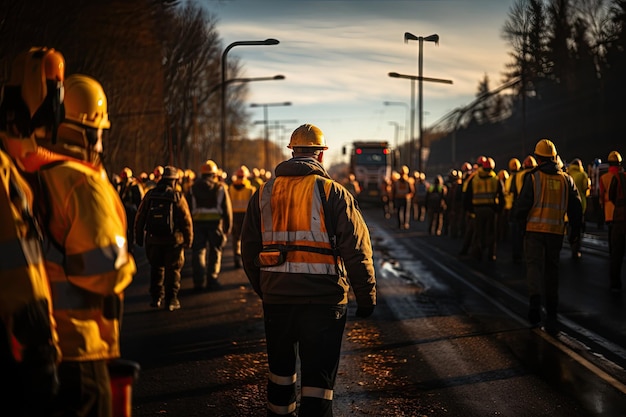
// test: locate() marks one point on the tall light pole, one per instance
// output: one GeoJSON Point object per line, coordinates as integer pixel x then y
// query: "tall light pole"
{"type": "Point", "coordinates": [244, 80]}
{"type": "Point", "coordinates": [269, 41]}
{"type": "Point", "coordinates": [416, 78]}
{"type": "Point", "coordinates": [267, 138]}
{"type": "Point", "coordinates": [420, 65]}
{"type": "Point", "coordinates": [406, 123]}
{"type": "Point", "coordinates": [397, 127]}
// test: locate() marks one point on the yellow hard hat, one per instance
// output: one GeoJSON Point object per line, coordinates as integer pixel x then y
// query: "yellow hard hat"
{"type": "Point", "coordinates": [307, 136]}
{"type": "Point", "coordinates": [545, 148]}
{"type": "Point", "coordinates": [85, 102]}
{"type": "Point", "coordinates": [529, 162]}
{"type": "Point", "coordinates": [514, 164]}
{"type": "Point", "coordinates": [615, 158]}
{"type": "Point", "coordinates": [209, 167]}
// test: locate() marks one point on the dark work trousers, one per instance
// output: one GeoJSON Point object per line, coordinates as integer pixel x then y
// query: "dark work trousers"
{"type": "Point", "coordinates": [166, 262]}
{"type": "Point", "coordinates": [235, 235]}
{"type": "Point", "coordinates": [207, 236]}
{"type": "Point", "coordinates": [517, 241]}
{"type": "Point", "coordinates": [314, 333]}
{"type": "Point", "coordinates": [403, 213]}
{"type": "Point", "coordinates": [618, 247]}
{"type": "Point", "coordinates": [542, 253]}
{"type": "Point", "coordinates": [484, 239]}
{"type": "Point", "coordinates": [85, 390]}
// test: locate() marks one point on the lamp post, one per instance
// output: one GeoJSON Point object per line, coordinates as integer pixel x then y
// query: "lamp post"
{"type": "Point", "coordinates": [420, 65]}
{"type": "Point", "coordinates": [417, 78]}
{"type": "Point", "coordinates": [396, 127]}
{"type": "Point", "coordinates": [269, 41]}
{"type": "Point", "coordinates": [244, 80]}
{"type": "Point", "coordinates": [266, 143]}
{"type": "Point", "coordinates": [406, 114]}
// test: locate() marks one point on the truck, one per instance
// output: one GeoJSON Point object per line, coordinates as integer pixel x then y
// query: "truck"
{"type": "Point", "coordinates": [370, 162]}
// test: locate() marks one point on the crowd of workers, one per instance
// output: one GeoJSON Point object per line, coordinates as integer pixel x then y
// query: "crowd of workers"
{"type": "Point", "coordinates": [483, 206]}
{"type": "Point", "coordinates": [299, 236]}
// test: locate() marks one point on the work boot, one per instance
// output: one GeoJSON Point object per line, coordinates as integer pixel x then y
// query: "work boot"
{"type": "Point", "coordinates": [157, 302]}
{"type": "Point", "coordinates": [174, 304]}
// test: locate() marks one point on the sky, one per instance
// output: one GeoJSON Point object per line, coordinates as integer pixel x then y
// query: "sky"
{"type": "Point", "coordinates": [336, 56]}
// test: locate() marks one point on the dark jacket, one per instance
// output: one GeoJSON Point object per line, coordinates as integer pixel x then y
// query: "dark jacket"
{"type": "Point", "coordinates": [183, 234]}
{"type": "Point", "coordinates": [209, 201]}
{"type": "Point", "coordinates": [353, 241]}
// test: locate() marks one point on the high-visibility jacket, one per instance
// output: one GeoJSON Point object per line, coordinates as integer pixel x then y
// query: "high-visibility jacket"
{"type": "Point", "coordinates": [547, 215]}
{"type": "Point", "coordinates": [605, 182]}
{"type": "Point", "coordinates": [485, 188]}
{"type": "Point", "coordinates": [240, 195]}
{"type": "Point", "coordinates": [509, 196]}
{"type": "Point", "coordinates": [286, 219]}
{"type": "Point", "coordinates": [402, 189]}
{"type": "Point", "coordinates": [23, 278]}
{"type": "Point", "coordinates": [86, 252]}
{"type": "Point", "coordinates": [209, 201]}
{"type": "Point", "coordinates": [302, 233]}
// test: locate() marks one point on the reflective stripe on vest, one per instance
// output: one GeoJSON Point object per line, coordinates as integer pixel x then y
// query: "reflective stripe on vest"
{"type": "Point", "coordinates": [96, 261]}
{"type": "Point", "coordinates": [547, 214]}
{"type": "Point", "coordinates": [484, 190]}
{"type": "Point", "coordinates": [292, 220]}
{"type": "Point", "coordinates": [208, 213]}
{"type": "Point", "coordinates": [68, 296]}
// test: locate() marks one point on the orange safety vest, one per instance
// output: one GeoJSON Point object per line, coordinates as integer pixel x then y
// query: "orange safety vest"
{"type": "Point", "coordinates": [609, 207]}
{"type": "Point", "coordinates": [292, 221]}
{"type": "Point", "coordinates": [547, 215]}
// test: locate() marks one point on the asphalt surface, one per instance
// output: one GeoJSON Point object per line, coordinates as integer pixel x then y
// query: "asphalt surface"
{"type": "Point", "coordinates": [448, 338]}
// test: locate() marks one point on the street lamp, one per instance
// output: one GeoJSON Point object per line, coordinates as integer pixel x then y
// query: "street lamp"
{"type": "Point", "coordinates": [420, 64]}
{"type": "Point", "coordinates": [269, 41]}
{"type": "Point", "coordinates": [406, 114]}
{"type": "Point", "coordinates": [397, 127]}
{"type": "Point", "coordinates": [266, 143]}
{"type": "Point", "coordinates": [244, 80]}
{"type": "Point", "coordinates": [414, 78]}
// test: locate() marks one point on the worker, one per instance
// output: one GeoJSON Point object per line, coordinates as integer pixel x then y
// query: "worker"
{"type": "Point", "coordinates": [484, 199]}
{"type": "Point", "coordinates": [615, 166]}
{"type": "Point", "coordinates": [212, 214]}
{"type": "Point", "coordinates": [164, 222]}
{"type": "Point", "coordinates": [29, 350]}
{"type": "Point", "coordinates": [304, 243]}
{"type": "Point", "coordinates": [547, 195]}
{"type": "Point", "coordinates": [583, 183]}
{"type": "Point", "coordinates": [617, 196]}
{"type": "Point", "coordinates": [240, 192]}
{"type": "Point", "coordinates": [402, 191]}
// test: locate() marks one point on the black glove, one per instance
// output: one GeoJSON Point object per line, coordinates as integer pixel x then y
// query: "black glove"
{"type": "Point", "coordinates": [364, 311]}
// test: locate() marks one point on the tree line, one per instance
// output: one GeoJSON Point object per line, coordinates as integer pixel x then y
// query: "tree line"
{"type": "Point", "coordinates": [565, 82]}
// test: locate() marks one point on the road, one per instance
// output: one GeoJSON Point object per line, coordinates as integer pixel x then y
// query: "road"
{"type": "Point", "coordinates": [448, 338]}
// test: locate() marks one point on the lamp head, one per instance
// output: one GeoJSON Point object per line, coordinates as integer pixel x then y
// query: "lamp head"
{"type": "Point", "coordinates": [409, 37]}
{"type": "Point", "coordinates": [271, 41]}
{"type": "Point", "coordinates": [432, 38]}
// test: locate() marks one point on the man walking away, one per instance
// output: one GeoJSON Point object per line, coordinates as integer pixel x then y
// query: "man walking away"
{"type": "Point", "coordinates": [304, 243]}
{"type": "Point", "coordinates": [546, 196]}
{"type": "Point", "coordinates": [164, 222]}
{"type": "Point", "coordinates": [212, 214]}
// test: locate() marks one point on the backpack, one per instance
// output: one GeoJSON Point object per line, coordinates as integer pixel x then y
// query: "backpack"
{"type": "Point", "coordinates": [160, 217]}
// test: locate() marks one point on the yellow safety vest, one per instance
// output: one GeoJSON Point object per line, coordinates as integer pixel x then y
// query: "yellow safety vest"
{"type": "Point", "coordinates": [87, 258]}
{"type": "Point", "coordinates": [547, 215]}
{"type": "Point", "coordinates": [292, 221]}
{"type": "Point", "coordinates": [484, 189]}
{"type": "Point", "coordinates": [239, 197]}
